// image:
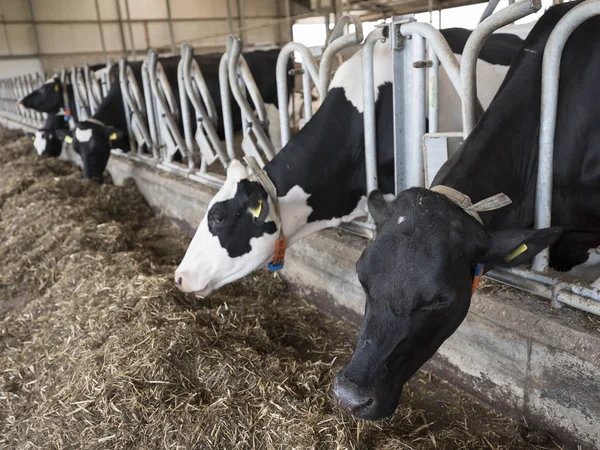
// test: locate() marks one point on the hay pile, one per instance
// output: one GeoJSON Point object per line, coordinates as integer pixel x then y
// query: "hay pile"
{"type": "Point", "coordinates": [97, 350]}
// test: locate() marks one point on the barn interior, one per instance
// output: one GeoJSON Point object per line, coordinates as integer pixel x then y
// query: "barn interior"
{"type": "Point", "coordinates": [99, 348]}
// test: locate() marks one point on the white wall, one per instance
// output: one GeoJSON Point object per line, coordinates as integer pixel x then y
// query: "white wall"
{"type": "Point", "coordinates": [68, 31]}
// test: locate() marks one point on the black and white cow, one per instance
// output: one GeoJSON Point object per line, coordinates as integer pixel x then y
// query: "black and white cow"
{"type": "Point", "coordinates": [50, 98]}
{"type": "Point", "coordinates": [418, 274]}
{"type": "Point", "coordinates": [319, 177]}
{"type": "Point", "coordinates": [92, 136]}
{"type": "Point", "coordinates": [48, 140]}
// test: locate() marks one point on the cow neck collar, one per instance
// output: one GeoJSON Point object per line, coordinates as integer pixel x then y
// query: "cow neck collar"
{"type": "Point", "coordinates": [464, 202]}
{"type": "Point", "coordinates": [260, 176]}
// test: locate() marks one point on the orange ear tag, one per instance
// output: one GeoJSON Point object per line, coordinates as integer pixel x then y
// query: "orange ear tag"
{"type": "Point", "coordinates": [279, 257]}
{"type": "Point", "coordinates": [477, 277]}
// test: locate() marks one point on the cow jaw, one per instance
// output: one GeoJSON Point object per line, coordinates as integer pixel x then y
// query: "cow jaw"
{"type": "Point", "coordinates": [40, 142]}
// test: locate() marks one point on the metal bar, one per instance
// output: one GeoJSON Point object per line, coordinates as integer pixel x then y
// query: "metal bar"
{"type": "Point", "coordinates": [127, 101]}
{"type": "Point", "coordinates": [415, 175]}
{"type": "Point", "coordinates": [489, 9]}
{"type": "Point", "coordinates": [401, 85]}
{"type": "Point", "coordinates": [150, 110]}
{"type": "Point", "coordinates": [171, 32]}
{"type": "Point", "coordinates": [433, 91]}
{"type": "Point", "coordinates": [204, 118]}
{"type": "Point", "coordinates": [121, 33]}
{"type": "Point", "coordinates": [33, 25]}
{"type": "Point", "coordinates": [337, 43]}
{"type": "Point", "coordinates": [310, 69]}
{"type": "Point", "coordinates": [242, 20]}
{"type": "Point", "coordinates": [288, 18]}
{"type": "Point", "coordinates": [253, 91]}
{"type": "Point", "coordinates": [102, 43]}
{"type": "Point", "coordinates": [468, 67]}
{"type": "Point", "coordinates": [130, 30]}
{"type": "Point", "coordinates": [229, 17]}
{"type": "Point", "coordinates": [368, 87]}
{"type": "Point", "coordinates": [183, 100]}
{"type": "Point", "coordinates": [226, 104]}
{"type": "Point", "coordinates": [550, 84]}
{"type": "Point", "coordinates": [306, 94]}
{"type": "Point", "coordinates": [558, 292]}
{"type": "Point", "coordinates": [234, 48]}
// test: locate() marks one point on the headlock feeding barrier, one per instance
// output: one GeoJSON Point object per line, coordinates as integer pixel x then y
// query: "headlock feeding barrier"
{"type": "Point", "coordinates": [175, 128]}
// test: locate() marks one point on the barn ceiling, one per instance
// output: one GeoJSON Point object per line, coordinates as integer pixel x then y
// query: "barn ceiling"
{"type": "Point", "coordinates": [377, 9]}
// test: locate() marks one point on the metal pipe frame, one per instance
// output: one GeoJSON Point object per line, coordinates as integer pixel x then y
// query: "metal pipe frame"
{"type": "Point", "coordinates": [234, 49]}
{"type": "Point", "coordinates": [549, 104]}
{"type": "Point", "coordinates": [226, 104]}
{"type": "Point", "coordinates": [101, 31]}
{"type": "Point", "coordinates": [80, 106]}
{"type": "Point", "coordinates": [130, 29]}
{"type": "Point", "coordinates": [311, 71]}
{"type": "Point", "coordinates": [167, 112]}
{"type": "Point", "coordinates": [170, 21]}
{"type": "Point", "coordinates": [558, 292]}
{"type": "Point", "coordinates": [468, 67]}
{"type": "Point", "coordinates": [151, 113]}
{"type": "Point", "coordinates": [368, 87]}
{"type": "Point", "coordinates": [197, 91]}
{"type": "Point", "coordinates": [89, 79]}
{"type": "Point", "coordinates": [337, 42]}
{"type": "Point", "coordinates": [489, 9]}
{"type": "Point", "coordinates": [433, 92]}
{"type": "Point", "coordinates": [185, 114]}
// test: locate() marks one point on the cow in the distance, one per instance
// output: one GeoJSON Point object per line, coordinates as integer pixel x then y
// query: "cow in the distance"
{"type": "Point", "coordinates": [421, 270]}
{"type": "Point", "coordinates": [107, 129]}
{"type": "Point", "coordinates": [48, 140]}
{"type": "Point", "coordinates": [319, 178]}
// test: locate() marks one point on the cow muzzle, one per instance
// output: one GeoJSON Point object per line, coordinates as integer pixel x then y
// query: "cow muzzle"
{"type": "Point", "coordinates": [361, 402]}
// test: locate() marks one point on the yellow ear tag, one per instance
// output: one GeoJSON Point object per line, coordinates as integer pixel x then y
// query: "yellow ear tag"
{"type": "Point", "coordinates": [113, 137]}
{"type": "Point", "coordinates": [32, 138]}
{"type": "Point", "coordinates": [56, 88]}
{"type": "Point", "coordinates": [68, 139]}
{"type": "Point", "coordinates": [256, 212]}
{"type": "Point", "coordinates": [519, 250]}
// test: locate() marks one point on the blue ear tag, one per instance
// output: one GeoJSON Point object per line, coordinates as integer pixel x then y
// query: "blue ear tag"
{"type": "Point", "coordinates": [275, 267]}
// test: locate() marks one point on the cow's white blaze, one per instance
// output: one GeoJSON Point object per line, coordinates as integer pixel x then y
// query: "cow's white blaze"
{"type": "Point", "coordinates": [83, 135]}
{"type": "Point", "coordinates": [40, 142]}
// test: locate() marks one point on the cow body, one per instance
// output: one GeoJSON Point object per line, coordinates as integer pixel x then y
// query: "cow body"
{"type": "Point", "coordinates": [92, 136]}
{"type": "Point", "coordinates": [319, 177]}
{"type": "Point", "coordinates": [419, 272]}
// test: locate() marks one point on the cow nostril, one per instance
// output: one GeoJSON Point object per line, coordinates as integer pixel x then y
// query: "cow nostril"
{"type": "Point", "coordinates": [178, 281]}
{"type": "Point", "coordinates": [352, 398]}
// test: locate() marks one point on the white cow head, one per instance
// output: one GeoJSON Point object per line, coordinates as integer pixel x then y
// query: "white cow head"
{"type": "Point", "coordinates": [236, 236]}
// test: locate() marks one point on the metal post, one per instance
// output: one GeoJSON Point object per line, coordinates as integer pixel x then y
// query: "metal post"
{"type": "Point", "coordinates": [433, 96]}
{"type": "Point", "coordinates": [489, 9]}
{"type": "Point", "coordinates": [35, 33]}
{"type": "Point", "coordinates": [226, 104]}
{"type": "Point", "coordinates": [100, 28]}
{"type": "Point", "coordinates": [130, 30]}
{"type": "Point", "coordinates": [337, 42]}
{"type": "Point", "coordinates": [151, 114]}
{"type": "Point", "coordinates": [123, 81]}
{"type": "Point", "coordinates": [288, 18]}
{"type": "Point", "coordinates": [171, 32]}
{"type": "Point", "coordinates": [377, 35]}
{"type": "Point", "coordinates": [242, 19]}
{"type": "Point", "coordinates": [229, 17]}
{"type": "Point", "coordinates": [121, 33]}
{"type": "Point", "coordinates": [310, 68]}
{"type": "Point", "coordinates": [415, 166]}
{"type": "Point", "coordinates": [468, 67]}
{"type": "Point", "coordinates": [550, 84]}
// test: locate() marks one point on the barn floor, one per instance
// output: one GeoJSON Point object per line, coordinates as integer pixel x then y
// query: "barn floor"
{"type": "Point", "coordinates": [98, 350]}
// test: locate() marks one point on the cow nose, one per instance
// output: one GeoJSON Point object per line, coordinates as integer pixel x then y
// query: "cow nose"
{"type": "Point", "coordinates": [182, 282]}
{"type": "Point", "coordinates": [178, 281]}
{"type": "Point", "coordinates": [352, 398]}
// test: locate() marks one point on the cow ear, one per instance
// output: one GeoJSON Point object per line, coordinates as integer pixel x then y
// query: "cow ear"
{"type": "Point", "coordinates": [379, 208]}
{"type": "Point", "coordinates": [30, 135]}
{"type": "Point", "coordinates": [65, 135]}
{"type": "Point", "coordinates": [257, 204]}
{"type": "Point", "coordinates": [113, 134]}
{"type": "Point", "coordinates": [513, 247]}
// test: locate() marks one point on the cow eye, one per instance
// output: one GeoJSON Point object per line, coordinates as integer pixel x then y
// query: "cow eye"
{"type": "Point", "coordinates": [441, 300]}
{"type": "Point", "coordinates": [216, 216]}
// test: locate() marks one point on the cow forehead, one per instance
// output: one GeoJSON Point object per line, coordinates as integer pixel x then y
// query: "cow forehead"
{"type": "Point", "coordinates": [83, 135]}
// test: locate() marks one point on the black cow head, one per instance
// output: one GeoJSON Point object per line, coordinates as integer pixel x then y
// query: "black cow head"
{"type": "Point", "coordinates": [418, 277]}
{"type": "Point", "coordinates": [93, 142]}
{"type": "Point", "coordinates": [48, 98]}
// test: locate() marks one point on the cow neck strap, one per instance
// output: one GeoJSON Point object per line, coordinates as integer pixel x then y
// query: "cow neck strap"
{"type": "Point", "coordinates": [261, 176]}
{"type": "Point", "coordinates": [464, 201]}
{"type": "Point", "coordinates": [95, 122]}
